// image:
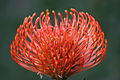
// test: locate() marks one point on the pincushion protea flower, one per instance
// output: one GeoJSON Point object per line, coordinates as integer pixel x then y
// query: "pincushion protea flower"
{"type": "Point", "coordinates": [72, 44]}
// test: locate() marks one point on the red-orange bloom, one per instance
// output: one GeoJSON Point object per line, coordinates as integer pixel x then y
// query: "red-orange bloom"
{"type": "Point", "coordinates": [69, 45]}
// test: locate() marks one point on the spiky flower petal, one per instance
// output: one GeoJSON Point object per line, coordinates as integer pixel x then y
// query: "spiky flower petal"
{"type": "Point", "coordinates": [72, 44]}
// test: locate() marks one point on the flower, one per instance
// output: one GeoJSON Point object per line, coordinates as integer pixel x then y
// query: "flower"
{"type": "Point", "coordinates": [71, 44]}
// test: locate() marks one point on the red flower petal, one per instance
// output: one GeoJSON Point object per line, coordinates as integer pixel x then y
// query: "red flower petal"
{"type": "Point", "coordinates": [69, 46]}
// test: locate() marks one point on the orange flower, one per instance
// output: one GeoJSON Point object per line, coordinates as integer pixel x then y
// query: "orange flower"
{"type": "Point", "coordinates": [72, 44]}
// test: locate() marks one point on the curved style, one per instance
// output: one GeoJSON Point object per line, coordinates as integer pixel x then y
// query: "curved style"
{"type": "Point", "coordinates": [59, 46]}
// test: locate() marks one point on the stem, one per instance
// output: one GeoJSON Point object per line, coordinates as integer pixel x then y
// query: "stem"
{"type": "Point", "coordinates": [59, 78]}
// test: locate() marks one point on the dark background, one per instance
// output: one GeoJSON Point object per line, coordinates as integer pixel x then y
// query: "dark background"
{"type": "Point", "coordinates": [107, 12]}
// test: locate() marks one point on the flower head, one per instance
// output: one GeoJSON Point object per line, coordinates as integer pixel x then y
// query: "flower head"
{"type": "Point", "coordinates": [72, 44]}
